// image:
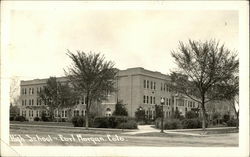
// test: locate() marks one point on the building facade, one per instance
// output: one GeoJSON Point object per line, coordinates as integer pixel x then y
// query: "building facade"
{"type": "Point", "coordinates": [136, 88]}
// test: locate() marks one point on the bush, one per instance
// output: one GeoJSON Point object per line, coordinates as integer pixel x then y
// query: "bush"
{"type": "Point", "coordinates": [191, 123]}
{"type": "Point", "coordinates": [110, 122]}
{"type": "Point", "coordinates": [131, 124]}
{"type": "Point", "coordinates": [169, 123]}
{"type": "Point", "coordinates": [233, 122]}
{"type": "Point", "coordinates": [226, 118]}
{"type": "Point", "coordinates": [78, 121]}
{"type": "Point", "coordinates": [101, 122]}
{"type": "Point", "coordinates": [11, 118]}
{"type": "Point", "coordinates": [191, 115]}
{"type": "Point", "coordinates": [44, 117]}
{"type": "Point", "coordinates": [36, 119]}
{"type": "Point", "coordinates": [20, 118]}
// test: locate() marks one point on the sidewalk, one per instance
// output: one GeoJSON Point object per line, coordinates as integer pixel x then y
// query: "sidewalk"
{"type": "Point", "coordinates": [149, 128]}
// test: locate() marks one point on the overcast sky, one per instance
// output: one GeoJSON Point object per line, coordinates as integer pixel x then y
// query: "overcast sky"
{"type": "Point", "coordinates": [140, 38]}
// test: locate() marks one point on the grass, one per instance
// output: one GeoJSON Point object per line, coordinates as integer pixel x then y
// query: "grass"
{"type": "Point", "coordinates": [69, 124]}
{"type": "Point", "coordinates": [146, 139]}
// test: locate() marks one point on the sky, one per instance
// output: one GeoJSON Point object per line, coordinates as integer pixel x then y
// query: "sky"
{"type": "Point", "coordinates": [39, 40]}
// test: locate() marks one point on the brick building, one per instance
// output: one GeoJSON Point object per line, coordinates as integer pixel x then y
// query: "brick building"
{"type": "Point", "coordinates": [136, 87]}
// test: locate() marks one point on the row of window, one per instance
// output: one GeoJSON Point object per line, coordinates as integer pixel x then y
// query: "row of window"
{"type": "Point", "coordinates": [31, 113]}
{"type": "Point", "coordinates": [77, 112]}
{"type": "Point", "coordinates": [148, 99]}
{"type": "Point", "coordinates": [165, 87]}
{"type": "Point", "coordinates": [30, 102]}
{"type": "Point", "coordinates": [31, 91]}
{"type": "Point", "coordinates": [186, 103]}
{"type": "Point", "coordinates": [149, 84]}
{"type": "Point", "coordinates": [62, 114]}
{"type": "Point", "coordinates": [167, 101]}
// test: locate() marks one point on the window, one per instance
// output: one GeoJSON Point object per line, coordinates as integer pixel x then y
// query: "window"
{"type": "Point", "coordinates": [25, 91]}
{"type": "Point", "coordinates": [22, 102]}
{"type": "Point", "coordinates": [32, 102]}
{"type": "Point", "coordinates": [161, 86]}
{"type": "Point", "coordinates": [169, 101]}
{"type": "Point", "coordinates": [25, 102]}
{"type": "Point", "coordinates": [154, 100]}
{"type": "Point", "coordinates": [32, 91]}
{"type": "Point", "coordinates": [164, 88]}
{"type": "Point", "coordinates": [144, 99]}
{"type": "Point", "coordinates": [147, 99]}
{"type": "Point", "coordinates": [62, 113]}
{"type": "Point", "coordinates": [65, 114]}
{"type": "Point", "coordinates": [82, 112]}
{"type": "Point", "coordinates": [31, 113]}
{"type": "Point", "coordinates": [154, 85]}
{"type": "Point", "coordinates": [144, 83]}
{"type": "Point", "coordinates": [151, 101]}
{"type": "Point", "coordinates": [151, 85]}
{"type": "Point", "coordinates": [147, 83]}
{"type": "Point", "coordinates": [37, 113]}
{"type": "Point", "coordinates": [166, 101]}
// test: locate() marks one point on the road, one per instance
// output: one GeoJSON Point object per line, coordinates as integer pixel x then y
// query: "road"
{"type": "Point", "coordinates": [52, 136]}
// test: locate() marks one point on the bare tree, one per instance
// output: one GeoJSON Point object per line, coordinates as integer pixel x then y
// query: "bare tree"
{"type": "Point", "coordinates": [92, 76]}
{"type": "Point", "coordinates": [14, 90]}
{"type": "Point", "coordinates": [203, 69]}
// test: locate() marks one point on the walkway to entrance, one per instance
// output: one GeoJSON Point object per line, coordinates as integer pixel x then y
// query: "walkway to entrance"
{"type": "Point", "coordinates": [150, 128]}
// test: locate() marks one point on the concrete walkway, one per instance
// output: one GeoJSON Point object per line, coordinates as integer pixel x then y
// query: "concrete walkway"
{"type": "Point", "coordinates": [149, 128]}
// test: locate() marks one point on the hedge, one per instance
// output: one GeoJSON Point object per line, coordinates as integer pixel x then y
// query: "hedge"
{"type": "Point", "coordinates": [131, 124]}
{"type": "Point", "coordinates": [233, 122]}
{"type": "Point", "coordinates": [20, 118]}
{"type": "Point", "coordinates": [78, 121]}
{"type": "Point", "coordinates": [36, 119]}
{"type": "Point", "coordinates": [179, 124]}
{"type": "Point", "coordinates": [111, 122]}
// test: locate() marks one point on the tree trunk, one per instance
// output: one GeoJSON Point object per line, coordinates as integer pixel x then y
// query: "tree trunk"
{"type": "Point", "coordinates": [237, 118]}
{"type": "Point", "coordinates": [87, 119]}
{"type": "Point", "coordinates": [87, 113]}
{"type": "Point", "coordinates": [203, 114]}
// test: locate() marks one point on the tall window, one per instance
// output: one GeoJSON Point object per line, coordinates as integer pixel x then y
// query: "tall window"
{"type": "Point", "coordinates": [151, 101]}
{"type": "Point", "coordinates": [147, 99]}
{"type": "Point", "coordinates": [154, 85]}
{"type": "Point", "coordinates": [161, 86]}
{"type": "Point", "coordinates": [147, 83]}
{"type": "Point", "coordinates": [63, 113]}
{"type": "Point", "coordinates": [144, 99]}
{"type": "Point", "coordinates": [154, 100]}
{"type": "Point", "coordinates": [151, 85]}
{"type": "Point", "coordinates": [22, 102]}
{"type": "Point", "coordinates": [144, 83]}
{"type": "Point", "coordinates": [166, 101]}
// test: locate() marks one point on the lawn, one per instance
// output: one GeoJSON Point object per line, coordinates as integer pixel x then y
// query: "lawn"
{"type": "Point", "coordinates": [70, 136]}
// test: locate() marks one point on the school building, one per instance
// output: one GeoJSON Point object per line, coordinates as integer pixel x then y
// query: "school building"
{"type": "Point", "coordinates": [136, 88]}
